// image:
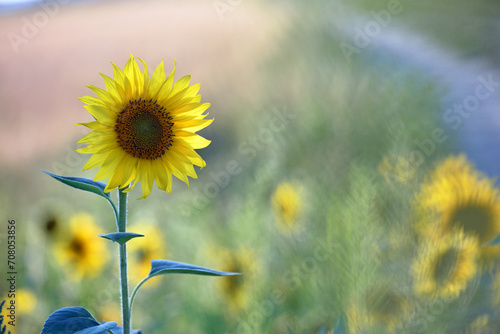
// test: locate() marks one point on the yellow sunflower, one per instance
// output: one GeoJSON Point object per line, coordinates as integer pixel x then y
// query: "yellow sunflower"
{"type": "Point", "coordinates": [380, 306]}
{"type": "Point", "coordinates": [461, 198]}
{"type": "Point", "coordinates": [144, 130]}
{"type": "Point", "coordinates": [237, 289]}
{"type": "Point", "coordinates": [287, 204]}
{"type": "Point", "coordinates": [480, 325]}
{"type": "Point", "coordinates": [26, 300]}
{"type": "Point", "coordinates": [82, 253]}
{"type": "Point", "coordinates": [144, 249]}
{"type": "Point", "coordinates": [446, 265]}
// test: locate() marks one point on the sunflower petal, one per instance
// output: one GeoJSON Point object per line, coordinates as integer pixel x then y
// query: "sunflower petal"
{"type": "Point", "coordinates": [157, 79]}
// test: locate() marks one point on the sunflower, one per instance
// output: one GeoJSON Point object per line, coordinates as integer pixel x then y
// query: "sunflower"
{"type": "Point", "coordinates": [380, 306]}
{"type": "Point", "coordinates": [461, 198]}
{"type": "Point", "coordinates": [480, 325]}
{"type": "Point", "coordinates": [237, 289]}
{"type": "Point", "coordinates": [143, 250]}
{"type": "Point", "coordinates": [144, 130]}
{"type": "Point", "coordinates": [287, 204]}
{"type": "Point", "coordinates": [82, 253]}
{"type": "Point", "coordinates": [446, 265]}
{"type": "Point", "coordinates": [26, 300]}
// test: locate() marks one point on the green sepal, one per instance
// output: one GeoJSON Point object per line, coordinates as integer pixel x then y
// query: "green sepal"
{"type": "Point", "coordinates": [120, 237]}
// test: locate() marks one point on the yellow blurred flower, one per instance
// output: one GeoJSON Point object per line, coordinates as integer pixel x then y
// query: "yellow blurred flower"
{"type": "Point", "coordinates": [480, 325]}
{"type": "Point", "coordinates": [287, 204]}
{"type": "Point", "coordinates": [379, 307]}
{"type": "Point", "coordinates": [26, 301]}
{"type": "Point", "coordinates": [144, 249]}
{"type": "Point", "coordinates": [445, 265]}
{"type": "Point", "coordinates": [144, 130]}
{"type": "Point", "coordinates": [109, 312]}
{"type": "Point", "coordinates": [82, 252]}
{"type": "Point", "coordinates": [461, 198]}
{"type": "Point", "coordinates": [237, 290]}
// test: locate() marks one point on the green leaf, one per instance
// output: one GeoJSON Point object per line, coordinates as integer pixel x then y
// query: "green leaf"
{"type": "Point", "coordinates": [162, 267]}
{"type": "Point", "coordinates": [75, 320]}
{"type": "Point", "coordinates": [85, 184]}
{"type": "Point", "coordinates": [120, 237]}
{"type": "Point", "coordinates": [82, 183]}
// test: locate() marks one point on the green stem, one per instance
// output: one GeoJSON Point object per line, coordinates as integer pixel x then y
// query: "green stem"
{"type": "Point", "coordinates": [132, 296]}
{"type": "Point", "coordinates": [122, 227]}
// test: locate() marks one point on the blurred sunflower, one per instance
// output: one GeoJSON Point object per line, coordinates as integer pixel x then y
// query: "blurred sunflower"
{"type": "Point", "coordinates": [480, 325]}
{"type": "Point", "coordinates": [51, 225]}
{"type": "Point", "coordinates": [109, 312]}
{"type": "Point", "coordinates": [237, 290]}
{"type": "Point", "coordinates": [26, 301]}
{"type": "Point", "coordinates": [380, 307]}
{"type": "Point", "coordinates": [287, 205]}
{"type": "Point", "coordinates": [82, 253]}
{"type": "Point", "coordinates": [461, 198]}
{"type": "Point", "coordinates": [445, 265]}
{"type": "Point", "coordinates": [143, 250]}
{"type": "Point", "coordinates": [144, 130]}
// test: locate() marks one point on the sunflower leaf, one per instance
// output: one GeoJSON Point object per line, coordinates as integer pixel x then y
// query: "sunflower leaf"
{"type": "Point", "coordinates": [120, 237]}
{"type": "Point", "coordinates": [74, 320]}
{"type": "Point", "coordinates": [85, 184]}
{"type": "Point", "coordinates": [162, 267]}
{"type": "Point", "coordinates": [82, 184]}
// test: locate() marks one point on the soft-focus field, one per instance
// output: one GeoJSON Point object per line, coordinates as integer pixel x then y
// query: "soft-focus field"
{"type": "Point", "coordinates": [332, 183]}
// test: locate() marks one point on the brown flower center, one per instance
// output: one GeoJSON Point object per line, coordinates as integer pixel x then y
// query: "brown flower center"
{"type": "Point", "coordinates": [475, 219]}
{"type": "Point", "coordinates": [144, 129]}
{"type": "Point", "coordinates": [446, 265]}
{"type": "Point", "coordinates": [77, 246]}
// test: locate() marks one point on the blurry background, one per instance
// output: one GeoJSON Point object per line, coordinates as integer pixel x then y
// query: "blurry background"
{"type": "Point", "coordinates": [316, 104]}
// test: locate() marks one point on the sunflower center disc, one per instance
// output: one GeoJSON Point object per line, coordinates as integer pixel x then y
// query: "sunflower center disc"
{"type": "Point", "coordinates": [144, 129]}
{"type": "Point", "coordinates": [445, 266]}
{"type": "Point", "coordinates": [476, 220]}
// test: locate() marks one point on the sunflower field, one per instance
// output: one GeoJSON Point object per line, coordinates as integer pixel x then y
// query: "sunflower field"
{"type": "Point", "coordinates": [312, 155]}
